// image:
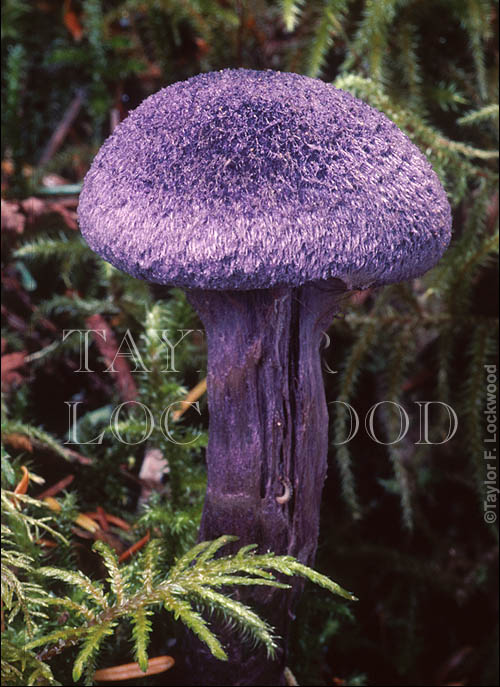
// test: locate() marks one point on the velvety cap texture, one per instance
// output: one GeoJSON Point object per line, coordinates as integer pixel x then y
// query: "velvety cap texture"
{"type": "Point", "coordinates": [243, 179]}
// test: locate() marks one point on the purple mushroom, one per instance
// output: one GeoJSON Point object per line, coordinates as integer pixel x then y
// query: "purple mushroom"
{"type": "Point", "coordinates": [267, 196]}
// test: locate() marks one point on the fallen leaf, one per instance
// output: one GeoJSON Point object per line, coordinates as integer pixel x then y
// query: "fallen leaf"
{"type": "Point", "coordinates": [52, 504]}
{"type": "Point", "coordinates": [48, 543]}
{"type": "Point", "coordinates": [19, 441]}
{"type": "Point", "coordinates": [33, 207]}
{"type": "Point", "coordinates": [108, 349]}
{"type": "Point", "coordinates": [81, 520]}
{"type": "Point", "coordinates": [87, 523]}
{"type": "Point", "coordinates": [12, 218]}
{"type": "Point", "coordinates": [154, 466]}
{"type": "Point", "coordinates": [36, 208]}
{"type": "Point", "coordinates": [71, 22]}
{"type": "Point", "coordinates": [11, 362]}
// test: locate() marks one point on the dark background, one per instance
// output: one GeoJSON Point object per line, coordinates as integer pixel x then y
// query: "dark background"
{"type": "Point", "coordinates": [402, 525]}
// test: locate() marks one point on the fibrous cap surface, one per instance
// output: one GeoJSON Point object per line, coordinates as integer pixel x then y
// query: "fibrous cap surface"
{"type": "Point", "coordinates": [242, 179]}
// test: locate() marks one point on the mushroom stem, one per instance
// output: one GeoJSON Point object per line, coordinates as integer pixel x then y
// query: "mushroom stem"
{"type": "Point", "coordinates": [268, 427]}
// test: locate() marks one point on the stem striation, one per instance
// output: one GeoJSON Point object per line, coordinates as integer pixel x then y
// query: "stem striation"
{"type": "Point", "coordinates": [267, 450]}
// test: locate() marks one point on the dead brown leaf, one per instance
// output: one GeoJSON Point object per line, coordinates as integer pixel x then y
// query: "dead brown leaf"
{"type": "Point", "coordinates": [12, 219]}
{"type": "Point", "coordinates": [35, 208]}
{"type": "Point", "coordinates": [108, 349]}
{"type": "Point", "coordinates": [20, 442]}
{"type": "Point", "coordinates": [72, 22]}
{"type": "Point", "coordinates": [11, 363]}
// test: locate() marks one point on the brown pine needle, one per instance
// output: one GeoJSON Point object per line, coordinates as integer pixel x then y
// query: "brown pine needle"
{"type": "Point", "coordinates": [135, 547]}
{"type": "Point", "coordinates": [57, 487]}
{"type": "Point", "coordinates": [48, 543]}
{"type": "Point", "coordinates": [22, 486]}
{"type": "Point", "coordinates": [113, 519]}
{"type": "Point", "coordinates": [126, 671]}
{"type": "Point", "coordinates": [195, 393]}
{"type": "Point", "coordinates": [81, 519]}
{"type": "Point", "coordinates": [101, 518]}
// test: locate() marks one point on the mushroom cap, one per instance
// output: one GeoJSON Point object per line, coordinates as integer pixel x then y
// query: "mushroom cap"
{"type": "Point", "coordinates": [244, 179]}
